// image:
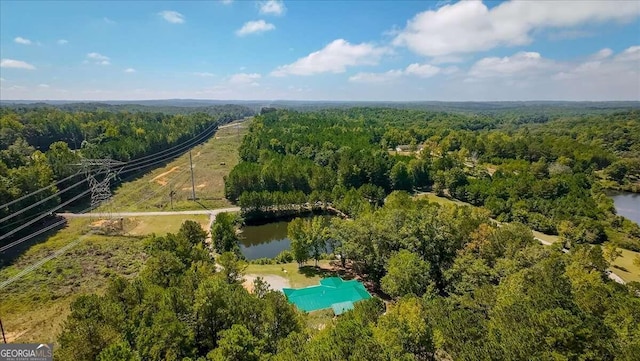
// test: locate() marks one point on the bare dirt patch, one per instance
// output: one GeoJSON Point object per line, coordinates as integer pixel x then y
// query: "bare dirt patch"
{"type": "Point", "coordinates": [276, 283]}
{"type": "Point", "coordinates": [161, 178]}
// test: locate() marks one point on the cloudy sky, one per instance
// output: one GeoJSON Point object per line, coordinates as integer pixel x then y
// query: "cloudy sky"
{"type": "Point", "coordinates": [321, 50]}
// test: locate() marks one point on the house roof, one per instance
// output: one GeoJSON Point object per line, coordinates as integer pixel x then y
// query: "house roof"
{"type": "Point", "coordinates": [331, 291]}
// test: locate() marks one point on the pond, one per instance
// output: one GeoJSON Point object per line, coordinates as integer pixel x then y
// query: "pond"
{"type": "Point", "coordinates": [265, 240]}
{"type": "Point", "coordinates": [627, 204]}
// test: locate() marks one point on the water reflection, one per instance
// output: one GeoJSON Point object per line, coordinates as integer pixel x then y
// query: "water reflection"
{"type": "Point", "coordinates": [627, 204]}
{"type": "Point", "coordinates": [266, 240]}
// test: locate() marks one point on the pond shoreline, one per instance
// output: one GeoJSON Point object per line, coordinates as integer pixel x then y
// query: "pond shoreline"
{"type": "Point", "coordinates": [262, 218]}
{"type": "Point", "coordinates": [626, 204]}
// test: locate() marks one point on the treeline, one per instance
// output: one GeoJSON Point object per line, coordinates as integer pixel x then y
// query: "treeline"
{"type": "Point", "coordinates": [461, 288]}
{"type": "Point", "coordinates": [547, 172]}
{"type": "Point", "coordinates": [233, 111]}
{"type": "Point", "coordinates": [41, 146]}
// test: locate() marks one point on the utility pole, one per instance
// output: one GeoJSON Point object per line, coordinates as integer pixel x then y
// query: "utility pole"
{"type": "Point", "coordinates": [193, 182]}
{"type": "Point", "coordinates": [3, 336]}
{"type": "Point", "coordinates": [171, 194]}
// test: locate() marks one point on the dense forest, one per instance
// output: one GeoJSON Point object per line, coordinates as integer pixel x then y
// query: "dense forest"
{"type": "Point", "coordinates": [460, 289]}
{"type": "Point", "coordinates": [550, 173]}
{"type": "Point", "coordinates": [42, 146]}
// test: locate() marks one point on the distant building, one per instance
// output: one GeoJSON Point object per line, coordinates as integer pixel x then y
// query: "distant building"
{"type": "Point", "coordinates": [407, 148]}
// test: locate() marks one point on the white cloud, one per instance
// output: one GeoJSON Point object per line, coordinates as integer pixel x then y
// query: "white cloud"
{"type": "Point", "coordinates": [171, 16]}
{"type": "Point", "coordinates": [226, 2]}
{"type": "Point", "coordinates": [272, 7]}
{"type": "Point", "coordinates": [244, 78]}
{"type": "Point", "coordinates": [469, 26]}
{"type": "Point", "coordinates": [3, 79]}
{"type": "Point", "coordinates": [204, 74]}
{"type": "Point", "coordinates": [21, 40]}
{"type": "Point", "coordinates": [44, 86]}
{"type": "Point", "coordinates": [108, 21]}
{"type": "Point", "coordinates": [16, 64]}
{"type": "Point", "coordinates": [602, 54]}
{"type": "Point", "coordinates": [129, 70]}
{"type": "Point", "coordinates": [602, 64]}
{"type": "Point", "coordinates": [97, 56]}
{"type": "Point", "coordinates": [333, 58]}
{"type": "Point", "coordinates": [423, 71]}
{"type": "Point", "coordinates": [63, 42]}
{"type": "Point", "coordinates": [98, 59]}
{"type": "Point", "coordinates": [253, 27]}
{"type": "Point", "coordinates": [420, 70]}
{"type": "Point", "coordinates": [630, 54]}
{"type": "Point", "coordinates": [518, 64]}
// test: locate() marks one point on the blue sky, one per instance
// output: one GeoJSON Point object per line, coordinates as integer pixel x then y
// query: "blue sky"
{"type": "Point", "coordinates": [320, 50]}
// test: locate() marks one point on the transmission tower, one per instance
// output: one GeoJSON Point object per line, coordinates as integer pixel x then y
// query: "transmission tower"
{"type": "Point", "coordinates": [100, 188]}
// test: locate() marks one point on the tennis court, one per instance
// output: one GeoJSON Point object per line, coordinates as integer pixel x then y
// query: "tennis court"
{"type": "Point", "coordinates": [332, 292]}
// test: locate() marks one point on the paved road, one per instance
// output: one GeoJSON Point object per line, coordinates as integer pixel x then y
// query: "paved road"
{"type": "Point", "coordinates": [144, 214]}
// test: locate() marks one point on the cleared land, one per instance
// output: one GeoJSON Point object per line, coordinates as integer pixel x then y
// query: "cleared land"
{"type": "Point", "coordinates": [305, 276]}
{"type": "Point", "coordinates": [623, 266]}
{"type": "Point", "coordinates": [34, 307]}
{"type": "Point", "coordinates": [212, 160]}
{"type": "Point", "coordinates": [139, 226]}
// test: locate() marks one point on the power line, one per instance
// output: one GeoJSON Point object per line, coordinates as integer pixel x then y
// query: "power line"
{"type": "Point", "coordinates": [212, 126]}
{"type": "Point", "coordinates": [24, 239]}
{"type": "Point", "coordinates": [6, 235]}
{"type": "Point", "coordinates": [38, 191]}
{"type": "Point", "coordinates": [62, 250]}
{"type": "Point", "coordinates": [41, 201]}
{"type": "Point", "coordinates": [150, 162]}
{"type": "Point", "coordinates": [49, 212]}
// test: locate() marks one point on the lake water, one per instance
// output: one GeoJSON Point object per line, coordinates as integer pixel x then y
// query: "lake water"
{"type": "Point", "coordinates": [627, 204]}
{"type": "Point", "coordinates": [266, 240]}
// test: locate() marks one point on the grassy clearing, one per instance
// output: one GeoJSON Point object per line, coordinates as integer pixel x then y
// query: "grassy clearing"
{"type": "Point", "coordinates": [34, 307]}
{"type": "Point", "coordinates": [298, 277]}
{"type": "Point", "coordinates": [623, 266]}
{"type": "Point", "coordinates": [212, 160]}
{"type": "Point", "coordinates": [441, 200]}
{"type": "Point", "coordinates": [545, 237]}
{"type": "Point", "coordinates": [140, 226]}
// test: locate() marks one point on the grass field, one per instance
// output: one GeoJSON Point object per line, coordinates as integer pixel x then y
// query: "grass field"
{"type": "Point", "coordinates": [212, 160]}
{"type": "Point", "coordinates": [34, 307]}
{"type": "Point", "coordinates": [623, 266]}
{"type": "Point", "coordinates": [139, 226]}
{"type": "Point", "coordinates": [441, 200]}
{"type": "Point", "coordinates": [298, 277]}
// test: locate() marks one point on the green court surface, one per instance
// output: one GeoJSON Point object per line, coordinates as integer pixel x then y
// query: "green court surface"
{"type": "Point", "coordinates": [333, 292]}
